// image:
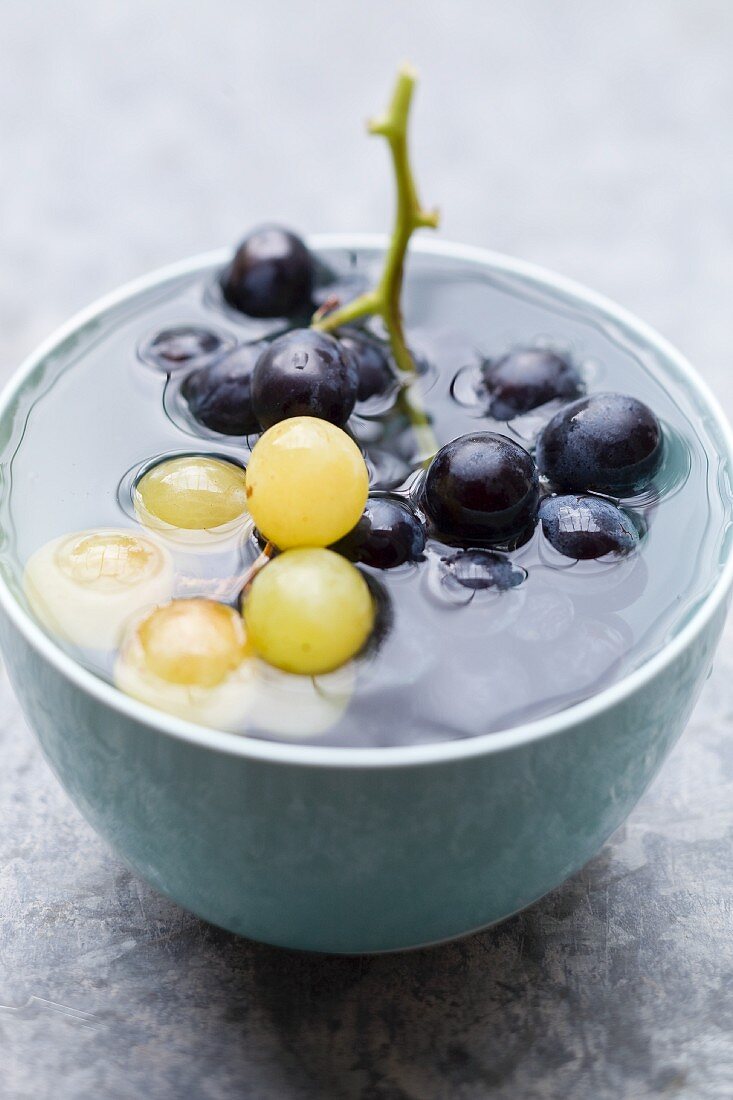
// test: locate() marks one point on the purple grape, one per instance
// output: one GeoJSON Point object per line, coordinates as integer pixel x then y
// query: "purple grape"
{"type": "Point", "coordinates": [608, 443]}
{"type": "Point", "coordinates": [304, 373]}
{"type": "Point", "coordinates": [587, 527]}
{"type": "Point", "coordinates": [527, 378]}
{"type": "Point", "coordinates": [271, 274]}
{"type": "Point", "coordinates": [483, 487]}
{"type": "Point", "coordinates": [220, 396]}
{"type": "Point", "coordinates": [388, 534]}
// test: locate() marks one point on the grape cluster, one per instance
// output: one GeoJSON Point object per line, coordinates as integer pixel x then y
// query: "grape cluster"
{"type": "Point", "coordinates": [307, 488]}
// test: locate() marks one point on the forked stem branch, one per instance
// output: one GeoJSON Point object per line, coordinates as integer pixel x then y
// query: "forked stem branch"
{"type": "Point", "coordinates": [384, 300]}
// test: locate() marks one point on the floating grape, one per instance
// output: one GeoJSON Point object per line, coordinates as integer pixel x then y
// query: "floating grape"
{"type": "Point", "coordinates": [480, 569]}
{"type": "Point", "coordinates": [304, 373]}
{"type": "Point", "coordinates": [527, 378]}
{"type": "Point", "coordinates": [307, 483]}
{"type": "Point", "coordinates": [196, 642]}
{"type": "Point", "coordinates": [220, 396]}
{"type": "Point", "coordinates": [308, 611]}
{"type": "Point", "coordinates": [483, 487]}
{"type": "Point", "coordinates": [190, 657]}
{"type": "Point", "coordinates": [84, 586]}
{"type": "Point", "coordinates": [271, 274]}
{"type": "Point", "coordinates": [189, 346]}
{"type": "Point", "coordinates": [388, 534]}
{"type": "Point", "coordinates": [608, 443]}
{"type": "Point", "coordinates": [191, 493]}
{"type": "Point", "coordinates": [375, 376]}
{"type": "Point", "coordinates": [587, 527]}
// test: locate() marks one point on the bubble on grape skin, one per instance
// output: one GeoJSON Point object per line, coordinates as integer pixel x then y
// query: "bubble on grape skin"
{"type": "Point", "coordinates": [83, 587]}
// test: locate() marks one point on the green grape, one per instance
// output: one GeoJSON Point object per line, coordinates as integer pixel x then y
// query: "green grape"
{"type": "Point", "coordinates": [84, 586]}
{"type": "Point", "coordinates": [191, 493]}
{"type": "Point", "coordinates": [307, 483]}
{"type": "Point", "coordinates": [195, 642]}
{"type": "Point", "coordinates": [308, 611]}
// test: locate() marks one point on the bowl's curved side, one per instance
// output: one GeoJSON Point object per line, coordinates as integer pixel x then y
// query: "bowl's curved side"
{"type": "Point", "coordinates": [360, 850]}
{"type": "Point", "coordinates": [355, 860]}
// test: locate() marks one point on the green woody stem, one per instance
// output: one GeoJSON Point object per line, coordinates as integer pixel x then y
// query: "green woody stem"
{"type": "Point", "coordinates": [384, 300]}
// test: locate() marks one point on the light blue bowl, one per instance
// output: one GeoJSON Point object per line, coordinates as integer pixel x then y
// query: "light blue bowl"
{"type": "Point", "coordinates": [360, 850]}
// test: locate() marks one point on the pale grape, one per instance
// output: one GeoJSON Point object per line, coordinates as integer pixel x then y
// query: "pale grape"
{"type": "Point", "coordinates": [308, 611]}
{"type": "Point", "coordinates": [196, 642]}
{"type": "Point", "coordinates": [190, 658]}
{"type": "Point", "coordinates": [83, 587]}
{"type": "Point", "coordinates": [307, 483]}
{"type": "Point", "coordinates": [153, 667]}
{"type": "Point", "coordinates": [192, 493]}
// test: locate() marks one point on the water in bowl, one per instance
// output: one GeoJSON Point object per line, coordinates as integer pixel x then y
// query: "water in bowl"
{"type": "Point", "coordinates": [450, 659]}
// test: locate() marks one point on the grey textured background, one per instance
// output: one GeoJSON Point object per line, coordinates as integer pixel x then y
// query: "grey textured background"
{"type": "Point", "coordinates": [592, 137]}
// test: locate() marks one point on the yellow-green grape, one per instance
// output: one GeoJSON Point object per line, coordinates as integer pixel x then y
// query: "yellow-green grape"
{"type": "Point", "coordinates": [84, 586]}
{"type": "Point", "coordinates": [196, 642]}
{"type": "Point", "coordinates": [191, 493]}
{"type": "Point", "coordinates": [307, 483]}
{"type": "Point", "coordinates": [154, 667]}
{"type": "Point", "coordinates": [308, 611]}
{"type": "Point", "coordinates": [191, 658]}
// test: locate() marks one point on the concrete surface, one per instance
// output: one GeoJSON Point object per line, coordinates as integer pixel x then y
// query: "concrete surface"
{"type": "Point", "coordinates": [593, 138]}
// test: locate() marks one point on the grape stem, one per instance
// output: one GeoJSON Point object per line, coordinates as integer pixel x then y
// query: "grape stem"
{"type": "Point", "coordinates": [384, 300]}
{"type": "Point", "coordinates": [257, 565]}
{"type": "Point", "coordinates": [224, 589]}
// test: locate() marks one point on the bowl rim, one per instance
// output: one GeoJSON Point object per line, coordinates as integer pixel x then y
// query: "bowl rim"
{"type": "Point", "coordinates": [294, 752]}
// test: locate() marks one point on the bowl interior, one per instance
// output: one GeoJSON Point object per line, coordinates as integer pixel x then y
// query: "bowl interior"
{"type": "Point", "coordinates": [47, 366]}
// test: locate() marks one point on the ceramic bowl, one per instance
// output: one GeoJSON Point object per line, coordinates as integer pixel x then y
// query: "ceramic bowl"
{"type": "Point", "coordinates": [348, 849]}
